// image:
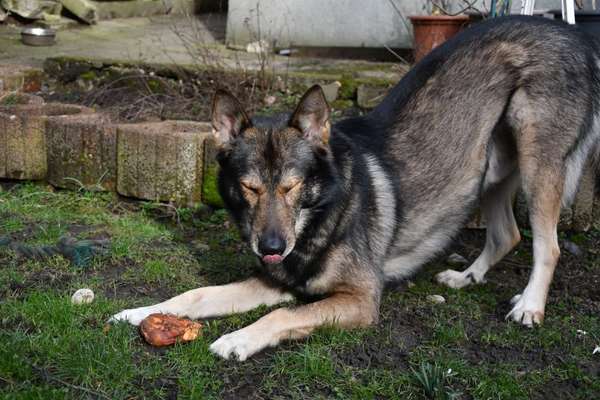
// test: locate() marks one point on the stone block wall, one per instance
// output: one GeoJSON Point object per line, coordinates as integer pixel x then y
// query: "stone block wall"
{"type": "Point", "coordinates": [73, 147]}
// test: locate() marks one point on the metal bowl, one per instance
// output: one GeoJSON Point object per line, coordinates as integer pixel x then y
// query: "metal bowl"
{"type": "Point", "coordinates": [38, 36]}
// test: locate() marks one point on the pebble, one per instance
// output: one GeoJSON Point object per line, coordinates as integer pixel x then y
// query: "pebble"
{"type": "Point", "coordinates": [572, 248]}
{"type": "Point", "coordinates": [436, 298]}
{"type": "Point", "coordinates": [82, 296]}
{"type": "Point", "coordinates": [455, 259]}
{"type": "Point", "coordinates": [270, 100]}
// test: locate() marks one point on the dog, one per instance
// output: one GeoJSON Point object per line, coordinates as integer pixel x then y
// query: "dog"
{"type": "Point", "coordinates": [333, 212]}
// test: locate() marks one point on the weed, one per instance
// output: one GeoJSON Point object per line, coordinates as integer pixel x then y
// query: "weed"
{"type": "Point", "coordinates": [433, 380]}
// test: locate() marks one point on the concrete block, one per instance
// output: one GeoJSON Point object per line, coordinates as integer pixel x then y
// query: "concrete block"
{"type": "Point", "coordinates": [161, 161]}
{"type": "Point", "coordinates": [331, 91]}
{"type": "Point", "coordinates": [143, 8]}
{"type": "Point", "coordinates": [370, 96]}
{"type": "Point", "coordinates": [130, 9]}
{"type": "Point", "coordinates": [82, 152]}
{"type": "Point", "coordinates": [23, 140]}
{"type": "Point", "coordinates": [83, 9]}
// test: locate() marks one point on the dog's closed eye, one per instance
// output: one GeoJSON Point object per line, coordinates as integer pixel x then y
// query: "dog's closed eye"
{"type": "Point", "coordinates": [252, 187]}
{"type": "Point", "coordinates": [289, 186]}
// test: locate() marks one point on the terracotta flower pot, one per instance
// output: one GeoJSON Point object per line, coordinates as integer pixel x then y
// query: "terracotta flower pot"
{"type": "Point", "coordinates": [432, 30]}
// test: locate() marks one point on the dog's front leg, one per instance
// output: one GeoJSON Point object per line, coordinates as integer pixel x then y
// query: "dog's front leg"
{"type": "Point", "coordinates": [345, 309]}
{"type": "Point", "coordinates": [211, 301]}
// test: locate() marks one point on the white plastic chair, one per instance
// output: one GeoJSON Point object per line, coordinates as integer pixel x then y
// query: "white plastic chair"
{"type": "Point", "coordinates": [568, 9]}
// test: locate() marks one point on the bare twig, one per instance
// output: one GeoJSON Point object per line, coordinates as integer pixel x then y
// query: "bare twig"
{"type": "Point", "coordinates": [444, 9]}
{"type": "Point", "coordinates": [401, 15]}
{"type": "Point", "coordinates": [398, 56]}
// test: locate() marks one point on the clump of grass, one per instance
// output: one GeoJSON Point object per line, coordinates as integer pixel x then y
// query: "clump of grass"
{"type": "Point", "coordinates": [433, 380]}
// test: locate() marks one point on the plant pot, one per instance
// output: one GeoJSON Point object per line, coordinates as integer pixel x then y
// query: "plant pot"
{"type": "Point", "coordinates": [432, 30]}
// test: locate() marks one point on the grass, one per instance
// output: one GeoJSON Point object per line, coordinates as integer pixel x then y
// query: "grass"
{"type": "Point", "coordinates": [51, 349]}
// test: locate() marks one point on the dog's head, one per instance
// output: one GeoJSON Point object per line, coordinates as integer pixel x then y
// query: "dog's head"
{"type": "Point", "coordinates": [274, 171]}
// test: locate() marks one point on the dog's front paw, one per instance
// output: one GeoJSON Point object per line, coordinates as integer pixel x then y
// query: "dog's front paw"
{"type": "Point", "coordinates": [526, 311]}
{"type": "Point", "coordinates": [239, 344]}
{"type": "Point", "coordinates": [456, 279]}
{"type": "Point", "coordinates": [134, 316]}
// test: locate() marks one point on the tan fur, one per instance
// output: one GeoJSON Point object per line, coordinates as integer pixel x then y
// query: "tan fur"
{"type": "Point", "coordinates": [349, 307]}
{"type": "Point", "coordinates": [212, 301]}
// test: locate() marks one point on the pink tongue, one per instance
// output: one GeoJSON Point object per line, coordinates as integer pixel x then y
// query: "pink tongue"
{"type": "Point", "coordinates": [272, 259]}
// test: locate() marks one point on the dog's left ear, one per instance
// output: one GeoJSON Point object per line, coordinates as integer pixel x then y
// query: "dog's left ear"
{"type": "Point", "coordinates": [228, 117]}
{"type": "Point", "coordinates": [311, 116]}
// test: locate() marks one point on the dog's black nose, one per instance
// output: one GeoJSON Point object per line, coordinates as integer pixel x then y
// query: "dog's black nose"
{"type": "Point", "coordinates": [271, 243]}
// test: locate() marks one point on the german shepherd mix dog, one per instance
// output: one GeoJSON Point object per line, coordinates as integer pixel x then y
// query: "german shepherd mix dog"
{"type": "Point", "coordinates": [334, 211]}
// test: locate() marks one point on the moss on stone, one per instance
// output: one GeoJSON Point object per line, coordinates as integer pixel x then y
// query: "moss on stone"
{"type": "Point", "coordinates": [88, 75]}
{"type": "Point", "coordinates": [210, 191]}
{"type": "Point", "coordinates": [155, 85]}
{"type": "Point", "coordinates": [348, 88]}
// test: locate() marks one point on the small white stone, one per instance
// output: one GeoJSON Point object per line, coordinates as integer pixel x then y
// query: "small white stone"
{"type": "Point", "coordinates": [596, 350]}
{"type": "Point", "coordinates": [410, 284]}
{"type": "Point", "coordinates": [82, 296]}
{"type": "Point", "coordinates": [260, 46]}
{"type": "Point", "coordinates": [436, 298]}
{"type": "Point", "coordinates": [455, 260]}
{"type": "Point", "coordinates": [270, 100]}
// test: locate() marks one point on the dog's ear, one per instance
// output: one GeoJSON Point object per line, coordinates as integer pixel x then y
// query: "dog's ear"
{"type": "Point", "coordinates": [311, 116]}
{"type": "Point", "coordinates": [228, 117]}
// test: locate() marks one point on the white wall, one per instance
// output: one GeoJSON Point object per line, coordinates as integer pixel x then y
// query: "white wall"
{"type": "Point", "coordinates": [354, 23]}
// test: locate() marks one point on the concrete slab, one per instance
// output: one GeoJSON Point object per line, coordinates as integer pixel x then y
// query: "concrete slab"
{"type": "Point", "coordinates": [82, 152]}
{"type": "Point", "coordinates": [183, 40]}
{"type": "Point", "coordinates": [22, 135]}
{"type": "Point", "coordinates": [161, 161]}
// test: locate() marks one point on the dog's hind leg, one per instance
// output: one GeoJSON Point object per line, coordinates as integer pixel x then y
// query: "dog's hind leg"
{"type": "Point", "coordinates": [544, 141]}
{"type": "Point", "coordinates": [501, 236]}
{"type": "Point", "coordinates": [543, 188]}
{"type": "Point", "coordinates": [211, 301]}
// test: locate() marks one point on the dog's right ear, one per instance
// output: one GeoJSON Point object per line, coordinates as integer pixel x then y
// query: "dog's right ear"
{"type": "Point", "coordinates": [312, 116]}
{"type": "Point", "coordinates": [228, 117]}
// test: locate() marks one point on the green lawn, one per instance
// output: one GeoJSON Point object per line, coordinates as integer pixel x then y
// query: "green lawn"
{"type": "Point", "coordinates": [463, 348]}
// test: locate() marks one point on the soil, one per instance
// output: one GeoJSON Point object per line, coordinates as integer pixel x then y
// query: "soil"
{"type": "Point", "coordinates": [133, 100]}
{"type": "Point", "coordinates": [135, 95]}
